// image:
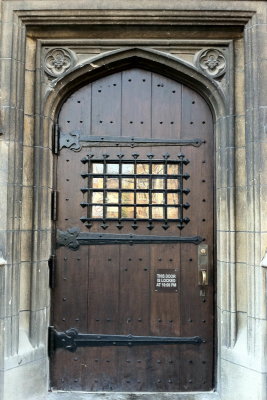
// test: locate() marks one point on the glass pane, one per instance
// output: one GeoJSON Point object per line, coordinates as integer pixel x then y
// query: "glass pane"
{"type": "Point", "coordinates": [173, 198]}
{"type": "Point", "coordinates": [112, 197]}
{"type": "Point", "coordinates": [172, 169]}
{"type": "Point", "coordinates": [157, 169]}
{"type": "Point", "coordinates": [142, 212]}
{"type": "Point", "coordinates": [127, 198]}
{"type": "Point", "coordinates": [97, 197]}
{"type": "Point", "coordinates": [97, 211]}
{"type": "Point", "coordinates": [157, 212]}
{"type": "Point", "coordinates": [97, 183]}
{"type": "Point", "coordinates": [112, 183]}
{"type": "Point", "coordinates": [157, 198]}
{"type": "Point", "coordinates": [157, 183]}
{"type": "Point", "coordinates": [142, 198]}
{"type": "Point", "coordinates": [112, 169]}
{"type": "Point", "coordinates": [127, 169]}
{"type": "Point", "coordinates": [172, 183]}
{"type": "Point", "coordinates": [98, 168]}
{"type": "Point", "coordinates": [172, 212]}
{"type": "Point", "coordinates": [112, 212]}
{"type": "Point", "coordinates": [142, 183]}
{"type": "Point", "coordinates": [127, 183]}
{"type": "Point", "coordinates": [142, 169]}
{"type": "Point", "coordinates": [127, 212]}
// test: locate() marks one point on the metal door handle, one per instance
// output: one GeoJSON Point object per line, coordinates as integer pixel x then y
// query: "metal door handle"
{"type": "Point", "coordinates": [204, 277]}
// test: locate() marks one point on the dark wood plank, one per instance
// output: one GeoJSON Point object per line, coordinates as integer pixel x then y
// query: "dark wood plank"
{"type": "Point", "coordinates": [136, 103]}
{"type": "Point", "coordinates": [106, 106]}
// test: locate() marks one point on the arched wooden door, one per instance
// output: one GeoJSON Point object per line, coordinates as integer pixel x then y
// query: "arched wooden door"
{"type": "Point", "coordinates": [132, 298]}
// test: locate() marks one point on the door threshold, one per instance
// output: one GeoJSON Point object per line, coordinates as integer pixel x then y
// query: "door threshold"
{"type": "Point", "coordinates": [63, 395]}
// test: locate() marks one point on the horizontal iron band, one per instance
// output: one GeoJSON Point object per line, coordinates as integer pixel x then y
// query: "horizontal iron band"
{"type": "Point", "coordinates": [137, 176]}
{"type": "Point", "coordinates": [135, 161]}
{"type": "Point", "coordinates": [117, 140]}
{"type": "Point", "coordinates": [117, 190]}
{"type": "Point", "coordinates": [186, 205]}
{"type": "Point", "coordinates": [73, 239]}
{"type": "Point", "coordinates": [71, 339]}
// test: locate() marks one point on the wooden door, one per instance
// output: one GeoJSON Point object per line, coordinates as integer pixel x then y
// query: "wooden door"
{"type": "Point", "coordinates": [132, 299]}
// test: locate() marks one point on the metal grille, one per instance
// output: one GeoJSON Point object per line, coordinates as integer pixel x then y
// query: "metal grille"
{"type": "Point", "coordinates": [135, 190]}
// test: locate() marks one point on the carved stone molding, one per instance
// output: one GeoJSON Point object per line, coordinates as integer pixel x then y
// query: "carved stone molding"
{"type": "Point", "coordinates": [212, 62]}
{"type": "Point", "coordinates": [57, 61]}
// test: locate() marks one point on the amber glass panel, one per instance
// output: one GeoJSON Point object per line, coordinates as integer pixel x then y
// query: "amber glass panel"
{"type": "Point", "coordinates": [172, 198]}
{"type": "Point", "coordinates": [127, 212]}
{"type": "Point", "coordinates": [97, 212]}
{"type": "Point", "coordinates": [142, 169]}
{"type": "Point", "coordinates": [97, 197]}
{"type": "Point", "coordinates": [172, 169]}
{"type": "Point", "coordinates": [127, 169]}
{"type": "Point", "coordinates": [112, 212]}
{"type": "Point", "coordinates": [157, 183]}
{"type": "Point", "coordinates": [142, 198]}
{"type": "Point", "coordinates": [98, 168]}
{"type": "Point", "coordinates": [127, 183]}
{"type": "Point", "coordinates": [113, 169]}
{"type": "Point", "coordinates": [172, 184]}
{"type": "Point", "coordinates": [157, 212]}
{"type": "Point", "coordinates": [142, 183]}
{"type": "Point", "coordinates": [112, 197]}
{"type": "Point", "coordinates": [112, 183]}
{"type": "Point", "coordinates": [172, 212]}
{"type": "Point", "coordinates": [157, 198]}
{"type": "Point", "coordinates": [142, 212]}
{"type": "Point", "coordinates": [127, 198]}
{"type": "Point", "coordinates": [157, 169]}
{"type": "Point", "coordinates": [97, 183]}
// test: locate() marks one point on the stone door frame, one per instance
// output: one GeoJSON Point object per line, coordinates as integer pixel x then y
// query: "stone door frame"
{"type": "Point", "coordinates": [29, 107]}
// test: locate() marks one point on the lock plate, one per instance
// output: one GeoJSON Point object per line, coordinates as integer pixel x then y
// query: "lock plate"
{"type": "Point", "coordinates": [203, 262]}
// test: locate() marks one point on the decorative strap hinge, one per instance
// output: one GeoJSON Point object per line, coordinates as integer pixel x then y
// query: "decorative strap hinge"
{"type": "Point", "coordinates": [71, 339]}
{"type": "Point", "coordinates": [52, 271]}
{"type": "Point", "coordinates": [55, 144]}
{"type": "Point", "coordinates": [54, 202]}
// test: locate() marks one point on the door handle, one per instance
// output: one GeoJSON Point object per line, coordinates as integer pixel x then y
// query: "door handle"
{"type": "Point", "coordinates": [203, 277]}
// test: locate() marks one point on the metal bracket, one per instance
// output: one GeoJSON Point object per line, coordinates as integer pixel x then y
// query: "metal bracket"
{"type": "Point", "coordinates": [52, 271]}
{"type": "Point", "coordinates": [54, 201]}
{"type": "Point", "coordinates": [71, 339]}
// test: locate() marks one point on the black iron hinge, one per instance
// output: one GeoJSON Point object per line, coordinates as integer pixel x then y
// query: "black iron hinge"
{"type": "Point", "coordinates": [54, 201]}
{"type": "Point", "coordinates": [71, 339]}
{"type": "Point", "coordinates": [55, 145]}
{"type": "Point", "coordinates": [52, 271]}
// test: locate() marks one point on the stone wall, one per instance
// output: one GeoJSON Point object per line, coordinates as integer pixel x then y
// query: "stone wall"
{"type": "Point", "coordinates": [174, 33]}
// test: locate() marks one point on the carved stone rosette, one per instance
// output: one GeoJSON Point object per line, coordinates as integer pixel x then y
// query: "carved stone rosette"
{"type": "Point", "coordinates": [57, 61]}
{"type": "Point", "coordinates": [212, 62]}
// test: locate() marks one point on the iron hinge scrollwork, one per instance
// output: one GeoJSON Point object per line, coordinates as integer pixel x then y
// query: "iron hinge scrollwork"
{"type": "Point", "coordinates": [71, 339]}
{"type": "Point", "coordinates": [73, 238]}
